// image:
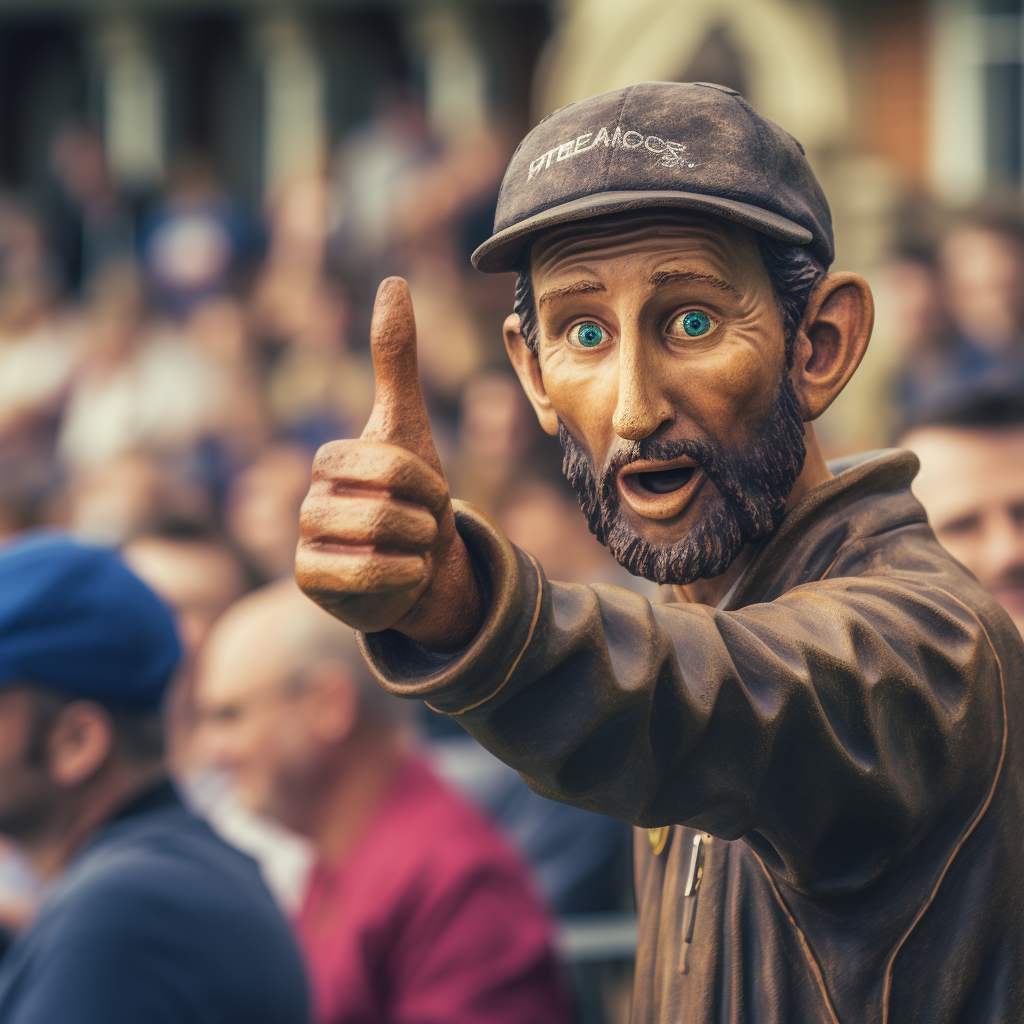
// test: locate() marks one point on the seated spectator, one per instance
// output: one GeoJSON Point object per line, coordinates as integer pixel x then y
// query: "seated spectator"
{"type": "Point", "coordinates": [150, 917]}
{"type": "Point", "coordinates": [417, 909]}
{"type": "Point", "coordinates": [972, 485]}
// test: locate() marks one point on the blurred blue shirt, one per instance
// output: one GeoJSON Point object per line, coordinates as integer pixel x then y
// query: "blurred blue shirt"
{"type": "Point", "coordinates": [157, 920]}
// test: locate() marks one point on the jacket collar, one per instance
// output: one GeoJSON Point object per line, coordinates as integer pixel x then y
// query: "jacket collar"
{"type": "Point", "coordinates": [869, 494]}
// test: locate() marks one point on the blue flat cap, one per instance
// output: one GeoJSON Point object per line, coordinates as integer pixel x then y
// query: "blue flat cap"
{"type": "Point", "coordinates": [73, 617]}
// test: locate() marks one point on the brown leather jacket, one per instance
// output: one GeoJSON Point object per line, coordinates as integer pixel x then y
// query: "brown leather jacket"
{"type": "Point", "coordinates": [849, 728]}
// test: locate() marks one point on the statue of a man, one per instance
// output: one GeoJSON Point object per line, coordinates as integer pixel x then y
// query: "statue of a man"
{"type": "Point", "coordinates": [823, 737]}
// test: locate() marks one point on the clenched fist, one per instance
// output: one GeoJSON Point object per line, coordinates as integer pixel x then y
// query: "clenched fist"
{"type": "Point", "coordinates": [378, 547]}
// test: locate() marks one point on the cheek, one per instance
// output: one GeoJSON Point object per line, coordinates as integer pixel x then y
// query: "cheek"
{"type": "Point", "coordinates": [584, 394]}
{"type": "Point", "coordinates": [729, 390]}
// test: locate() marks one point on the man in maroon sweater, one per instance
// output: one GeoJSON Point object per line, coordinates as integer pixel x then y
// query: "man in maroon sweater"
{"type": "Point", "coordinates": [418, 910]}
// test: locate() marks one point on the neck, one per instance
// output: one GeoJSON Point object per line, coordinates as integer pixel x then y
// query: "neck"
{"type": "Point", "coordinates": [355, 787]}
{"type": "Point", "coordinates": [86, 810]}
{"type": "Point", "coordinates": [814, 473]}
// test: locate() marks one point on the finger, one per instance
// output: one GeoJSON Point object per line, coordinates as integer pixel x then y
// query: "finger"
{"type": "Point", "coordinates": [399, 412]}
{"type": "Point", "coordinates": [351, 570]}
{"type": "Point", "coordinates": [365, 519]}
{"type": "Point", "coordinates": [375, 465]}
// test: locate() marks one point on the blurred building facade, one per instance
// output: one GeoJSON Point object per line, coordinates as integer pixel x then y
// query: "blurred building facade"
{"type": "Point", "coordinates": [261, 91]}
{"type": "Point", "coordinates": [887, 96]}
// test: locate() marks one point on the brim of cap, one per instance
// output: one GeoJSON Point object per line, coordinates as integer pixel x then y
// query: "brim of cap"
{"type": "Point", "coordinates": [504, 251]}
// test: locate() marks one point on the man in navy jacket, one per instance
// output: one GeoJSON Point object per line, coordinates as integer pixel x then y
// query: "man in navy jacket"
{"type": "Point", "coordinates": [150, 917]}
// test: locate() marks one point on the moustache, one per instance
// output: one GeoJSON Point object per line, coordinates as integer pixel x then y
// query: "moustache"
{"type": "Point", "coordinates": [708, 456]}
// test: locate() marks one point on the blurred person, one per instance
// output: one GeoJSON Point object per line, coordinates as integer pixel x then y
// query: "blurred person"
{"type": "Point", "coordinates": [136, 386]}
{"type": "Point", "coordinates": [40, 344]}
{"type": "Point", "coordinates": [370, 162]}
{"type": "Point", "coordinates": [496, 431]}
{"type": "Point", "coordinates": [89, 222]}
{"type": "Point", "coordinates": [262, 508]}
{"type": "Point", "coordinates": [197, 573]}
{"type": "Point", "coordinates": [980, 289]}
{"type": "Point", "coordinates": [318, 389]}
{"type": "Point", "coordinates": [972, 485]}
{"type": "Point", "coordinates": [149, 916]}
{"type": "Point", "coordinates": [237, 425]}
{"type": "Point", "coordinates": [906, 363]}
{"type": "Point", "coordinates": [127, 495]}
{"type": "Point", "coordinates": [197, 241]}
{"type": "Point", "coordinates": [982, 269]}
{"type": "Point", "coordinates": [416, 910]}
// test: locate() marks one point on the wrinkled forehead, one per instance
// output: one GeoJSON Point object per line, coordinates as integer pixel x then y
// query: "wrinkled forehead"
{"type": "Point", "coordinates": [728, 248]}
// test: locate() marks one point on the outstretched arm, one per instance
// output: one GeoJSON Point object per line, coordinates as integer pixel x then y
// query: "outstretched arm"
{"type": "Point", "coordinates": [830, 727]}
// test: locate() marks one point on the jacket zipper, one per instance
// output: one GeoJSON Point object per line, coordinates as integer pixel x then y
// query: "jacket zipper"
{"type": "Point", "coordinates": [690, 893]}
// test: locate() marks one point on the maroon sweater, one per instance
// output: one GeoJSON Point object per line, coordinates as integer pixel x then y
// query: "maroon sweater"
{"type": "Point", "coordinates": [430, 918]}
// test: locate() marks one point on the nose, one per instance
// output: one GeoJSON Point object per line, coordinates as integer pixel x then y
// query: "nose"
{"type": "Point", "coordinates": [642, 406]}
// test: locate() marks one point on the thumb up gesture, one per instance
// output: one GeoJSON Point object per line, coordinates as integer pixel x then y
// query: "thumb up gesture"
{"type": "Point", "coordinates": [378, 547]}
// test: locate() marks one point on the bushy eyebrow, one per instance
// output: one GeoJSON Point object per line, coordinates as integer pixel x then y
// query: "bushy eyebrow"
{"type": "Point", "coordinates": [571, 289]}
{"type": "Point", "coordinates": [671, 276]}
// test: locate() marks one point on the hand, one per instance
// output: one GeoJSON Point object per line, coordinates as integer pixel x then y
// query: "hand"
{"type": "Point", "coordinates": [378, 547]}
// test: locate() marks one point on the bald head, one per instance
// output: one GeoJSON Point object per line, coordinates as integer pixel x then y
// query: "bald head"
{"type": "Point", "coordinates": [284, 697]}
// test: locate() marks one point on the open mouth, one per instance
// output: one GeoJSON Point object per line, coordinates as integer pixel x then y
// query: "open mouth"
{"type": "Point", "coordinates": [660, 490]}
{"type": "Point", "coordinates": [664, 481]}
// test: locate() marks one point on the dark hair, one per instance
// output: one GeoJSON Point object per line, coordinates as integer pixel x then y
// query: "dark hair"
{"type": "Point", "coordinates": [138, 734]}
{"type": "Point", "coordinates": [981, 405]}
{"type": "Point", "coordinates": [793, 271]}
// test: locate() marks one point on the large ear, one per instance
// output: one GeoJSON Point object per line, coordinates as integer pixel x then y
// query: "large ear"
{"type": "Point", "coordinates": [831, 340]}
{"type": "Point", "coordinates": [527, 367]}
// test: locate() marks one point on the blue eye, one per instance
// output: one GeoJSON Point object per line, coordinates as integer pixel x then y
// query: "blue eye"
{"type": "Point", "coordinates": [588, 334]}
{"type": "Point", "coordinates": [694, 322]}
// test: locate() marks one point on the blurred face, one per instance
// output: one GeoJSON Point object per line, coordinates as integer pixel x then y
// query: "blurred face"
{"type": "Point", "coordinates": [972, 485]}
{"type": "Point", "coordinates": [198, 579]}
{"type": "Point", "coordinates": [663, 354]}
{"type": "Point", "coordinates": [254, 724]}
{"type": "Point", "coordinates": [983, 278]}
{"type": "Point", "coordinates": [263, 508]}
{"type": "Point", "coordinates": [495, 418]}
{"type": "Point", "coordinates": [26, 792]}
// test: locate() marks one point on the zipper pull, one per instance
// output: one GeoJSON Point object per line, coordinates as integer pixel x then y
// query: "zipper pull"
{"type": "Point", "coordinates": [690, 893]}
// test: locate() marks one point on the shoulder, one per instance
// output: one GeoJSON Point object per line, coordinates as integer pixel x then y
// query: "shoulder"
{"type": "Point", "coordinates": [159, 910]}
{"type": "Point", "coordinates": [456, 857]}
{"type": "Point", "coordinates": [165, 872]}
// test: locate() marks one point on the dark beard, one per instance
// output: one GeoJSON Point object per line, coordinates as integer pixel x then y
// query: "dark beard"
{"type": "Point", "coordinates": [753, 488]}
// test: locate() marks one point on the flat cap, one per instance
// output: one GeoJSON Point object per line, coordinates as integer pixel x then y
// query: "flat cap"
{"type": "Point", "coordinates": [75, 618]}
{"type": "Point", "coordinates": [659, 144]}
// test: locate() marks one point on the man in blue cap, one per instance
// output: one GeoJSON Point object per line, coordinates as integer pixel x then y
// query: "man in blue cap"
{"type": "Point", "coordinates": [150, 917]}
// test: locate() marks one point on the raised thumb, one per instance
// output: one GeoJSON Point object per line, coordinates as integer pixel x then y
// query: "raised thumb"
{"type": "Point", "coordinates": [399, 413]}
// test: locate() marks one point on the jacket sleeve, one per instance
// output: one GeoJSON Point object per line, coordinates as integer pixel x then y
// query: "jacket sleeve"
{"type": "Point", "coordinates": [830, 727]}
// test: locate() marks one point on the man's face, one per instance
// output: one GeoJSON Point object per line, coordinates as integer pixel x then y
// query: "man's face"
{"type": "Point", "coordinates": [662, 351]}
{"type": "Point", "coordinates": [27, 794]}
{"type": "Point", "coordinates": [253, 724]}
{"type": "Point", "coordinates": [972, 485]}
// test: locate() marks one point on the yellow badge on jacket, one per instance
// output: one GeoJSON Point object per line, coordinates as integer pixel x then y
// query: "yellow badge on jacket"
{"type": "Point", "coordinates": [658, 838]}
